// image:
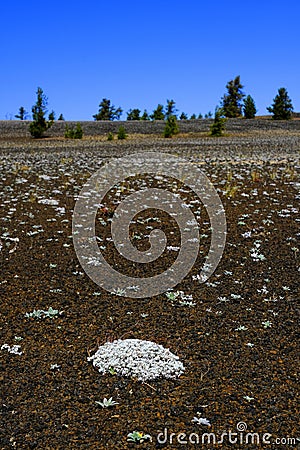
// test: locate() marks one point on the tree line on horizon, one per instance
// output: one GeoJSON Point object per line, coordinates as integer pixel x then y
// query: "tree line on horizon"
{"type": "Point", "coordinates": [234, 104]}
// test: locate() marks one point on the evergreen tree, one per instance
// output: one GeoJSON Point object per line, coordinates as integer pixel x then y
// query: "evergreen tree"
{"type": "Point", "coordinates": [171, 127]}
{"type": "Point", "coordinates": [193, 117]}
{"type": "Point", "coordinates": [231, 102]}
{"type": "Point", "coordinates": [145, 115]}
{"type": "Point", "coordinates": [107, 111]}
{"type": "Point", "coordinates": [208, 115]}
{"type": "Point", "coordinates": [200, 116]}
{"type": "Point", "coordinates": [39, 125]}
{"type": "Point", "coordinates": [218, 125]}
{"type": "Point", "coordinates": [61, 117]}
{"type": "Point", "coordinates": [133, 114]}
{"type": "Point", "coordinates": [183, 116]}
{"type": "Point", "coordinates": [52, 116]}
{"type": "Point", "coordinates": [122, 133]}
{"type": "Point", "coordinates": [158, 113]}
{"type": "Point", "coordinates": [23, 115]}
{"type": "Point", "coordinates": [170, 109]}
{"type": "Point", "coordinates": [249, 107]}
{"type": "Point", "coordinates": [282, 107]}
{"type": "Point", "coordinates": [71, 133]}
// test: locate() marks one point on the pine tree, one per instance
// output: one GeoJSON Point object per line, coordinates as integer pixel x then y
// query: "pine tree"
{"type": "Point", "coordinates": [170, 109]}
{"type": "Point", "coordinates": [22, 114]}
{"type": "Point", "coordinates": [122, 133]}
{"type": "Point", "coordinates": [218, 125]}
{"type": "Point", "coordinates": [249, 107]}
{"type": "Point", "coordinates": [134, 114]}
{"type": "Point", "coordinates": [39, 125]}
{"type": "Point", "coordinates": [107, 111]}
{"type": "Point", "coordinates": [61, 117]}
{"type": "Point", "coordinates": [171, 127]}
{"type": "Point", "coordinates": [158, 113]}
{"type": "Point", "coordinates": [145, 115]}
{"type": "Point", "coordinates": [231, 102]}
{"type": "Point", "coordinates": [52, 116]}
{"type": "Point", "coordinates": [183, 116]}
{"type": "Point", "coordinates": [282, 107]}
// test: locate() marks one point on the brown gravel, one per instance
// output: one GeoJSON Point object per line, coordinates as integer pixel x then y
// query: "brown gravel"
{"type": "Point", "coordinates": [256, 173]}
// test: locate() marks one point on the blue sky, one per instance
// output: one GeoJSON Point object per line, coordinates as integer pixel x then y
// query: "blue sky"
{"type": "Point", "coordinates": [141, 53]}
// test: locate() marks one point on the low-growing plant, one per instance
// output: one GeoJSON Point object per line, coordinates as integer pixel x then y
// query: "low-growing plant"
{"type": "Point", "coordinates": [137, 436]}
{"type": "Point", "coordinates": [40, 313]}
{"type": "Point", "coordinates": [110, 136]}
{"type": "Point", "coordinates": [122, 133]}
{"type": "Point", "coordinates": [106, 403]}
{"type": "Point", "coordinates": [71, 133]}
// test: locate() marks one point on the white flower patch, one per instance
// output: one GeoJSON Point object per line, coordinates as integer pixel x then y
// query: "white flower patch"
{"type": "Point", "coordinates": [14, 349]}
{"type": "Point", "coordinates": [144, 360]}
{"type": "Point", "coordinates": [47, 201]}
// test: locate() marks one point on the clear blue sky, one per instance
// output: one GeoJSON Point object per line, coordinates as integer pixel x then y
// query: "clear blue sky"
{"type": "Point", "coordinates": [141, 53]}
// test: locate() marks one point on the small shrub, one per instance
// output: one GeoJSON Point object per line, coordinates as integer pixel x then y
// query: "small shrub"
{"type": "Point", "coordinates": [171, 127]}
{"type": "Point", "coordinates": [71, 133]}
{"type": "Point", "coordinates": [122, 133]}
{"type": "Point", "coordinates": [218, 125]}
{"type": "Point", "coordinates": [110, 136]}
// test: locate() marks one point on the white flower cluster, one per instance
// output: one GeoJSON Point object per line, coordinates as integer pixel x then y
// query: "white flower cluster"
{"type": "Point", "coordinates": [144, 360]}
{"type": "Point", "coordinates": [15, 349]}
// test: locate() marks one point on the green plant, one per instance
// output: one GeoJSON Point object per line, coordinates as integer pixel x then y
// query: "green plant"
{"type": "Point", "coordinates": [23, 115]}
{"type": "Point", "coordinates": [107, 402]}
{"type": "Point", "coordinates": [134, 114]}
{"type": "Point", "coordinates": [71, 133]}
{"type": "Point", "coordinates": [282, 107]}
{"type": "Point", "coordinates": [39, 125]}
{"type": "Point", "coordinates": [145, 115]}
{"type": "Point", "coordinates": [61, 117]}
{"type": "Point", "coordinates": [170, 109]}
{"type": "Point", "coordinates": [122, 133]}
{"type": "Point", "coordinates": [249, 108]}
{"type": "Point", "coordinates": [231, 102]}
{"type": "Point", "coordinates": [138, 436]}
{"type": "Point", "coordinates": [51, 116]}
{"type": "Point", "coordinates": [40, 313]}
{"type": "Point", "coordinates": [171, 127]}
{"type": "Point", "coordinates": [110, 136]}
{"type": "Point", "coordinates": [107, 111]}
{"type": "Point", "coordinates": [218, 125]}
{"type": "Point", "coordinates": [183, 116]}
{"type": "Point", "coordinates": [158, 113]}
